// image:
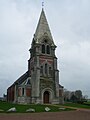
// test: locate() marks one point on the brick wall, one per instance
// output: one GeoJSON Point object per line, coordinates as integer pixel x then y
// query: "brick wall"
{"type": "Point", "coordinates": [28, 92]}
{"type": "Point", "coordinates": [10, 94]}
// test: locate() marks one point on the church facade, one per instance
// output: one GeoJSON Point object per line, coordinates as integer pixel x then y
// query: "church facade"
{"type": "Point", "coordinates": [40, 84]}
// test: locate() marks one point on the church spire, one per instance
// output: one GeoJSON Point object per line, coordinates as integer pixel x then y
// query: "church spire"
{"type": "Point", "coordinates": [42, 28]}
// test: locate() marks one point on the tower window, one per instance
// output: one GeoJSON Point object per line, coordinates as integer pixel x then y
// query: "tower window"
{"type": "Point", "coordinates": [48, 49]}
{"type": "Point", "coordinates": [41, 70]}
{"type": "Point", "coordinates": [45, 41]}
{"type": "Point", "coordinates": [50, 71]}
{"type": "Point", "coordinates": [46, 69]}
{"type": "Point", "coordinates": [43, 48]}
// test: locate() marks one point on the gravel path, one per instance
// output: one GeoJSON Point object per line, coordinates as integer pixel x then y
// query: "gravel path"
{"type": "Point", "coordinates": [69, 115]}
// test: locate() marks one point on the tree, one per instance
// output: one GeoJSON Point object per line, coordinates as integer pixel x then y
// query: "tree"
{"type": "Point", "coordinates": [66, 95]}
{"type": "Point", "coordinates": [78, 94]}
{"type": "Point", "coordinates": [85, 97]}
{"type": "Point", "coordinates": [73, 98]}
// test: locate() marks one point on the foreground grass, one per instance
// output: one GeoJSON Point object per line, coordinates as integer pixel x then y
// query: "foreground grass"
{"type": "Point", "coordinates": [22, 108]}
{"type": "Point", "coordinates": [76, 105]}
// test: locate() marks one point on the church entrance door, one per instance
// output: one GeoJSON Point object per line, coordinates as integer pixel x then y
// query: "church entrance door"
{"type": "Point", "coordinates": [46, 97]}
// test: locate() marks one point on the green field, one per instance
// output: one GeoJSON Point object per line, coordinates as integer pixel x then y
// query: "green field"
{"type": "Point", "coordinates": [22, 108]}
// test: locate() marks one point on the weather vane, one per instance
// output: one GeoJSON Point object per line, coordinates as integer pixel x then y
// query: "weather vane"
{"type": "Point", "coordinates": [42, 3]}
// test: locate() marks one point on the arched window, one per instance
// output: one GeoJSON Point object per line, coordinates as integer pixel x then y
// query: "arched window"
{"type": "Point", "coordinates": [46, 69]}
{"type": "Point", "coordinates": [50, 71]}
{"type": "Point", "coordinates": [45, 40]}
{"type": "Point", "coordinates": [43, 48]}
{"type": "Point", "coordinates": [22, 91]}
{"type": "Point", "coordinates": [41, 70]}
{"type": "Point", "coordinates": [48, 49]}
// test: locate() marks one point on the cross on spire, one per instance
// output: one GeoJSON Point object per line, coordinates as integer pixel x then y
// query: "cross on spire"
{"type": "Point", "coordinates": [42, 3]}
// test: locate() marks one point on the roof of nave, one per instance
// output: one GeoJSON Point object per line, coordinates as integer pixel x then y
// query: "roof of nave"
{"type": "Point", "coordinates": [21, 79]}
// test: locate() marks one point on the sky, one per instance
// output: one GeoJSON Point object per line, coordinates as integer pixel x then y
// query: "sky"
{"type": "Point", "coordinates": [69, 22]}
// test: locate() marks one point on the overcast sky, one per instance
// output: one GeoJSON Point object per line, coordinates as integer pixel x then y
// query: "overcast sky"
{"type": "Point", "coordinates": [69, 21]}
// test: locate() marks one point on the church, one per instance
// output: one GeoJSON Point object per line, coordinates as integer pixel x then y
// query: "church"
{"type": "Point", "coordinates": [40, 83]}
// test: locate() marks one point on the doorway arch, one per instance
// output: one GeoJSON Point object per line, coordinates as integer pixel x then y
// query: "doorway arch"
{"type": "Point", "coordinates": [46, 97]}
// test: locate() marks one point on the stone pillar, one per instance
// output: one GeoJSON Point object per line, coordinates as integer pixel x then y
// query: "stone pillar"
{"type": "Point", "coordinates": [56, 77]}
{"type": "Point", "coordinates": [35, 80]}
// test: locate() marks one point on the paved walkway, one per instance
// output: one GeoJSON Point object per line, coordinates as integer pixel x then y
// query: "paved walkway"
{"type": "Point", "coordinates": [66, 115]}
{"type": "Point", "coordinates": [78, 109]}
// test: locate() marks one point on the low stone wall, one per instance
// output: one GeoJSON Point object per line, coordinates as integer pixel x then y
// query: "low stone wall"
{"type": "Point", "coordinates": [24, 100]}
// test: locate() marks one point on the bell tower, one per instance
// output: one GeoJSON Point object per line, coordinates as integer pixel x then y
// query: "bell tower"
{"type": "Point", "coordinates": [42, 65]}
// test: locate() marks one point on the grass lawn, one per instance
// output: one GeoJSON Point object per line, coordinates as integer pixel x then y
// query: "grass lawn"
{"type": "Point", "coordinates": [76, 105]}
{"type": "Point", "coordinates": [22, 108]}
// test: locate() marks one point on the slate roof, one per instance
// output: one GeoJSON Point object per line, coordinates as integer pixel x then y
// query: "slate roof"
{"type": "Point", "coordinates": [22, 78]}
